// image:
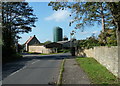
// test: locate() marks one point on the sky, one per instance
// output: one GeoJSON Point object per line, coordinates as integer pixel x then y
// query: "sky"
{"type": "Point", "coordinates": [49, 19]}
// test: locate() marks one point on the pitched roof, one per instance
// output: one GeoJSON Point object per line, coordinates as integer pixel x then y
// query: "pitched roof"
{"type": "Point", "coordinates": [29, 40]}
{"type": "Point", "coordinates": [53, 44]}
{"type": "Point", "coordinates": [62, 42]}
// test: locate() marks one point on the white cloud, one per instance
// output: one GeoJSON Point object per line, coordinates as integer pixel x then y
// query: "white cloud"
{"type": "Point", "coordinates": [58, 16]}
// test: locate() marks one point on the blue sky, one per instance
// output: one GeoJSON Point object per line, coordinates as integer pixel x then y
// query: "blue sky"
{"type": "Point", "coordinates": [48, 19]}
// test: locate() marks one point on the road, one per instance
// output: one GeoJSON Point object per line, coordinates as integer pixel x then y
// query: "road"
{"type": "Point", "coordinates": [33, 69]}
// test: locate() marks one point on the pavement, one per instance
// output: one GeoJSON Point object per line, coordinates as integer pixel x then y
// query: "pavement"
{"type": "Point", "coordinates": [73, 74]}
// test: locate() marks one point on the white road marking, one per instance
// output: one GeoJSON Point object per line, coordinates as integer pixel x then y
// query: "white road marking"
{"type": "Point", "coordinates": [35, 61]}
{"type": "Point", "coordinates": [21, 69]}
{"type": "Point", "coordinates": [18, 71]}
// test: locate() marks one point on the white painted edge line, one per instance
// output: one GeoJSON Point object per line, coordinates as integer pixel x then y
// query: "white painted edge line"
{"type": "Point", "coordinates": [18, 71]}
{"type": "Point", "coordinates": [22, 68]}
{"type": "Point", "coordinates": [13, 74]}
{"type": "Point", "coordinates": [35, 61]}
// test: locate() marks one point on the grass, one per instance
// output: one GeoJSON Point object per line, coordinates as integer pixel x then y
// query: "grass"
{"type": "Point", "coordinates": [43, 53]}
{"type": "Point", "coordinates": [61, 73]}
{"type": "Point", "coordinates": [64, 50]}
{"type": "Point", "coordinates": [97, 73]}
{"type": "Point", "coordinates": [48, 53]}
{"type": "Point", "coordinates": [32, 53]}
{"type": "Point", "coordinates": [12, 58]}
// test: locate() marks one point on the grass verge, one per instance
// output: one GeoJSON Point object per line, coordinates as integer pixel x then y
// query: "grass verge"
{"type": "Point", "coordinates": [43, 53]}
{"type": "Point", "coordinates": [97, 73]}
{"type": "Point", "coordinates": [11, 58]}
{"type": "Point", "coordinates": [59, 82]}
{"type": "Point", "coordinates": [48, 54]}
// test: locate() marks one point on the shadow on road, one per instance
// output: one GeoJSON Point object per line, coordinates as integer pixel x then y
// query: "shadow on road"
{"type": "Point", "coordinates": [9, 68]}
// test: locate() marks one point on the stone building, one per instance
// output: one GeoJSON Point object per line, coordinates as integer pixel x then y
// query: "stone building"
{"type": "Point", "coordinates": [32, 41]}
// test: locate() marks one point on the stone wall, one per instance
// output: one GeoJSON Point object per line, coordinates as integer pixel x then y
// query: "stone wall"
{"type": "Point", "coordinates": [39, 49]}
{"type": "Point", "coordinates": [107, 56]}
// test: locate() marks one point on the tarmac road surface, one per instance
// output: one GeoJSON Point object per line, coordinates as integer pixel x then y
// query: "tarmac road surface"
{"type": "Point", "coordinates": [34, 69]}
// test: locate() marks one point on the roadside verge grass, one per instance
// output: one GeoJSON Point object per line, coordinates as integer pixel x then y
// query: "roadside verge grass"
{"type": "Point", "coordinates": [48, 54]}
{"type": "Point", "coordinates": [12, 58]}
{"type": "Point", "coordinates": [97, 73]}
{"type": "Point", "coordinates": [43, 53]}
{"type": "Point", "coordinates": [59, 82]}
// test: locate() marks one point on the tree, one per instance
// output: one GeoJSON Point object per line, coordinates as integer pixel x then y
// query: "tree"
{"type": "Point", "coordinates": [17, 17]}
{"type": "Point", "coordinates": [89, 42]}
{"type": "Point", "coordinates": [47, 42]}
{"type": "Point", "coordinates": [110, 37]}
{"type": "Point", "coordinates": [115, 10]}
{"type": "Point", "coordinates": [87, 13]}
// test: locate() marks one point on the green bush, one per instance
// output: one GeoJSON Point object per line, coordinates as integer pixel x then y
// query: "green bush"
{"type": "Point", "coordinates": [13, 57]}
{"type": "Point", "coordinates": [63, 50]}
